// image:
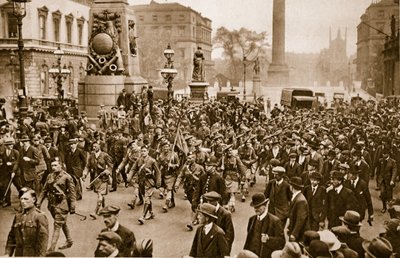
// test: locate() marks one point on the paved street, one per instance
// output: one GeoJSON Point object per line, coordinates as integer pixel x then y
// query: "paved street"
{"type": "Point", "coordinates": [167, 230]}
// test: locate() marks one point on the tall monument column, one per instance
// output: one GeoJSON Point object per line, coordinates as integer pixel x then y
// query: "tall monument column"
{"type": "Point", "coordinates": [278, 72]}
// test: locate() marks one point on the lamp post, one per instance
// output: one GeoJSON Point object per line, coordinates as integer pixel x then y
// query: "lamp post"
{"type": "Point", "coordinates": [19, 11]}
{"type": "Point", "coordinates": [59, 73]}
{"type": "Point", "coordinates": [169, 73]}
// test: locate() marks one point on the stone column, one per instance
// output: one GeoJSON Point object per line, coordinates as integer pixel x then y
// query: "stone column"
{"type": "Point", "coordinates": [278, 72]}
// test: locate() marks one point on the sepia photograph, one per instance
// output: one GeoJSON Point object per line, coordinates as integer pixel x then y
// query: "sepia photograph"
{"type": "Point", "coordinates": [200, 128]}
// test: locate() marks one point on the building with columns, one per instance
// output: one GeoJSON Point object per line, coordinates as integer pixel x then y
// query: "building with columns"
{"type": "Point", "coordinates": [47, 25]}
{"type": "Point", "coordinates": [372, 31]}
{"type": "Point", "coordinates": [183, 27]}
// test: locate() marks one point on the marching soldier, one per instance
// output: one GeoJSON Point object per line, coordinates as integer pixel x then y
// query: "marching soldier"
{"type": "Point", "coordinates": [59, 189]}
{"type": "Point", "coordinates": [149, 174]}
{"type": "Point", "coordinates": [234, 174]}
{"type": "Point", "coordinates": [100, 164]}
{"type": "Point", "coordinates": [190, 174]}
{"type": "Point", "coordinates": [29, 231]}
{"type": "Point", "coordinates": [169, 164]}
{"type": "Point", "coordinates": [249, 159]}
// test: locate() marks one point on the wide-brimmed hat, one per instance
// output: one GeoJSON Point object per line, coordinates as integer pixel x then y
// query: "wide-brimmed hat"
{"type": "Point", "coordinates": [378, 248]}
{"type": "Point", "coordinates": [316, 176]}
{"type": "Point", "coordinates": [208, 209]}
{"type": "Point", "coordinates": [318, 248]}
{"type": "Point", "coordinates": [351, 218]}
{"type": "Point", "coordinates": [258, 199]}
{"type": "Point", "coordinates": [330, 239]}
{"type": "Point", "coordinates": [296, 181]}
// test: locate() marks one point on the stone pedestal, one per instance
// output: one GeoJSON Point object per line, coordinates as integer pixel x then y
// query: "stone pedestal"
{"type": "Point", "coordinates": [99, 90]}
{"type": "Point", "coordinates": [197, 90]}
{"type": "Point", "coordinates": [256, 85]}
{"type": "Point", "coordinates": [278, 75]}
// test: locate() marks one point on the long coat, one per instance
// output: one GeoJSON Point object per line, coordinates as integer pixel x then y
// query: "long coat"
{"type": "Point", "coordinates": [279, 198]}
{"type": "Point", "coordinates": [29, 234]}
{"type": "Point", "coordinates": [363, 196]}
{"type": "Point", "coordinates": [338, 204]}
{"type": "Point", "coordinates": [224, 221]}
{"type": "Point", "coordinates": [213, 244]}
{"type": "Point", "coordinates": [270, 225]}
{"type": "Point", "coordinates": [75, 162]}
{"type": "Point", "coordinates": [28, 168]}
{"type": "Point", "coordinates": [316, 205]}
{"type": "Point", "coordinates": [298, 217]}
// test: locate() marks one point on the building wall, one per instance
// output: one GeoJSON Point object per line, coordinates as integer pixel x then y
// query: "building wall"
{"type": "Point", "coordinates": [182, 25]}
{"type": "Point", "coordinates": [40, 43]}
{"type": "Point", "coordinates": [369, 40]}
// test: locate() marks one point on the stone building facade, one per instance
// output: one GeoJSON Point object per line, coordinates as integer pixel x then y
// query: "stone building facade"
{"type": "Point", "coordinates": [183, 27]}
{"type": "Point", "coordinates": [47, 25]}
{"type": "Point", "coordinates": [372, 31]}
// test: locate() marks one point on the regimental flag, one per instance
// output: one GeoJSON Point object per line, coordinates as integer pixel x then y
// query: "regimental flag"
{"type": "Point", "coordinates": [180, 141]}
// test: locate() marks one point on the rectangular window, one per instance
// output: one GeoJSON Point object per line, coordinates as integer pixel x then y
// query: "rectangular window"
{"type": "Point", "coordinates": [181, 17]}
{"type": "Point", "coordinates": [80, 33]}
{"type": "Point", "coordinates": [12, 26]}
{"type": "Point", "coordinates": [141, 18]}
{"type": "Point", "coordinates": [42, 27]}
{"type": "Point", "coordinates": [168, 29]}
{"type": "Point", "coordinates": [69, 32]}
{"type": "Point", "coordinates": [381, 14]}
{"type": "Point", "coordinates": [56, 23]}
{"type": "Point", "coordinates": [155, 17]}
{"type": "Point", "coordinates": [168, 17]}
{"type": "Point", "coordinates": [181, 31]}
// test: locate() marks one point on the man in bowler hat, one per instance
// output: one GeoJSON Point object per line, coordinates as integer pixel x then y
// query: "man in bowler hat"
{"type": "Point", "coordinates": [264, 230]}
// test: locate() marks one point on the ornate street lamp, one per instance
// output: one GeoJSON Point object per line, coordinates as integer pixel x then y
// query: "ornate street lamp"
{"type": "Point", "coordinates": [19, 11]}
{"type": "Point", "coordinates": [169, 73]}
{"type": "Point", "coordinates": [59, 73]}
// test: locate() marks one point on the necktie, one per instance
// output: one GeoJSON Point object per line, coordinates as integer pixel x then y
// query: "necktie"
{"type": "Point", "coordinates": [314, 189]}
{"type": "Point", "coordinates": [8, 152]}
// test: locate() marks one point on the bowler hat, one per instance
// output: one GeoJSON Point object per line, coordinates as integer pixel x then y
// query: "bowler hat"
{"type": "Point", "coordinates": [392, 225]}
{"type": "Point", "coordinates": [309, 236]}
{"type": "Point", "coordinates": [208, 209]}
{"type": "Point", "coordinates": [351, 218]}
{"type": "Point", "coordinates": [379, 247]}
{"type": "Point", "coordinates": [318, 248]}
{"type": "Point", "coordinates": [110, 236]}
{"type": "Point", "coordinates": [296, 181]}
{"type": "Point", "coordinates": [212, 196]}
{"type": "Point", "coordinates": [48, 140]}
{"type": "Point", "coordinates": [24, 138]}
{"type": "Point", "coordinates": [258, 199]}
{"type": "Point", "coordinates": [110, 209]}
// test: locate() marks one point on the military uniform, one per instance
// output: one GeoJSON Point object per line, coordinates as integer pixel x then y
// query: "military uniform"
{"type": "Point", "coordinates": [169, 163]}
{"type": "Point", "coordinates": [29, 234]}
{"type": "Point", "coordinates": [60, 192]}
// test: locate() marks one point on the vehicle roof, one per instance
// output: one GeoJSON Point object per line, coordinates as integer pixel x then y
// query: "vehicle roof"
{"type": "Point", "coordinates": [292, 89]}
{"type": "Point", "coordinates": [303, 98]}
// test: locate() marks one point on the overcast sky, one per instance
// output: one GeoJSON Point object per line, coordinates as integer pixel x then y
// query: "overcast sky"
{"type": "Point", "coordinates": [307, 21]}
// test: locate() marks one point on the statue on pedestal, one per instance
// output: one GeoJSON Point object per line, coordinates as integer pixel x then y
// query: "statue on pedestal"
{"type": "Point", "coordinates": [256, 67]}
{"type": "Point", "coordinates": [198, 69]}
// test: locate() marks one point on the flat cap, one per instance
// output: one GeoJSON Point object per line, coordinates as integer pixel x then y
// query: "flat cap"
{"type": "Point", "coordinates": [110, 236]}
{"type": "Point", "coordinates": [278, 169]}
{"type": "Point", "coordinates": [110, 209]}
{"type": "Point", "coordinates": [212, 196]}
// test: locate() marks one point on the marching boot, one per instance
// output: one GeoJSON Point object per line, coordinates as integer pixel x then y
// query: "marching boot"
{"type": "Point", "coordinates": [151, 213]}
{"type": "Point", "coordinates": [384, 206]}
{"type": "Point", "coordinates": [145, 209]}
{"type": "Point", "coordinates": [166, 205]}
{"type": "Point", "coordinates": [140, 199]}
{"type": "Point", "coordinates": [68, 237]}
{"type": "Point", "coordinates": [132, 204]}
{"type": "Point", "coordinates": [54, 239]}
{"type": "Point", "coordinates": [172, 202]}
{"type": "Point", "coordinates": [96, 211]}
{"type": "Point", "coordinates": [103, 203]}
